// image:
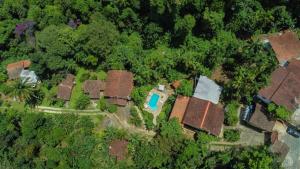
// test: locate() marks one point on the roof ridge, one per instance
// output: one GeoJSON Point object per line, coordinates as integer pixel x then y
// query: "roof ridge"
{"type": "Point", "coordinates": [205, 114]}
{"type": "Point", "coordinates": [281, 83]}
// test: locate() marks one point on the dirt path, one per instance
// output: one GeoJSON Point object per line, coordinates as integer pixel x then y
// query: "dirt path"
{"type": "Point", "coordinates": [122, 123]}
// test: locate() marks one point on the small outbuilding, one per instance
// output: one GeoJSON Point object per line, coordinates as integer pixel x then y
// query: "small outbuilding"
{"type": "Point", "coordinates": [260, 120]}
{"type": "Point", "coordinates": [65, 87]}
{"type": "Point", "coordinates": [118, 149]}
{"type": "Point", "coordinates": [14, 69]}
{"type": "Point", "coordinates": [93, 88]}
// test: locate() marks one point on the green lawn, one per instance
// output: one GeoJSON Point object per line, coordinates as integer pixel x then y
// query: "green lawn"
{"type": "Point", "coordinates": [77, 89]}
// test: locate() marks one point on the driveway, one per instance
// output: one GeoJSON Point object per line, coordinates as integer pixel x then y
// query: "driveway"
{"type": "Point", "coordinates": [292, 160]}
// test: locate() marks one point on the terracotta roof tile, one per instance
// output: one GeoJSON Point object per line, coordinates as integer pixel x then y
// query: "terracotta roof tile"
{"type": "Point", "coordinates": [202, 114]}
{"type": "Point", "coordinates": [287, 93]}
{"type": "Point", "coordinates": [119, 84]}
{"type": "Point", "coordinates": [260, 120]}
{"type": "Point", "coordinates": [284, 87]}
{"type": "Point", "coordinates": [14, 69]}
{"type": "Point", "coordinates": [65, 88]}
{"type": "Point", "coordinates": [286, 45]}
{"type": "Point", "coordinates": [179, 107]}
{"type": "Point", "coordinates": [93, 88]}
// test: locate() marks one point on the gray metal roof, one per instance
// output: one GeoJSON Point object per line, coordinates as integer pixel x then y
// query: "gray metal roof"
{"type": "Point", "coordinates": [207, 89]}
{"type": "Point", "coordinates": [28, 76]}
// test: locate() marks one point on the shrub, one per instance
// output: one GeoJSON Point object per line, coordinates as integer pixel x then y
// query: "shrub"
{"type": "Point", "coordinates": [134, 117]}
{"type": "Point", "coordinates": [148, 118]}
{"type": "Point", "coordinates": [139, 95]}
{"type": "Point", "coordinates": [82, 102]}
{"type": "Point", "coordinates": [279, 112]}
{"type": "Point", "coordinates": [231, 135]}
{"type": "Point", "coordinates": [185, 88]}
{"type": "Point", "coordinates": [112, 108]}
{"type": "Point", "coordinates": [231, 114]}
{"type": "Point", "coordinates": [102, 104]}
{"type": "Point", "coordinates": [84, 76]}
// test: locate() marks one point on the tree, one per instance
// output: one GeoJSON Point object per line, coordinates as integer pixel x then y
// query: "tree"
{"type": "Point", "coordinates": [279, 112]}
{"type": "Point", "coordinates": [82, 102]}
{"type": "Point", "coordinates": [35, 98]}
{"type": "Point", "coordinates": [21, 91]}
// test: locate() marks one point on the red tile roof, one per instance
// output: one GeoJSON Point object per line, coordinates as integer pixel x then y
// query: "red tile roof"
{"type": "Point", "coordinates": [119, 84]}
{"type": "Point", "coordinates": [260, 120]}
{"type": "Point", "coordinates": [118, 149]}
{"type": "Point", "coordinates": [14, 69]}
{"type": "Point", "coordinates": [93, 88]}
{"type": "Point", "coordinates": [179, 107]}
{"type": "Point", "coordinates": [284, 87]}
{"type": "Point", "coordinates": [286, 45]}
{"type": "Point", "coordinates": [201, 114]}
{"type": "Point", "coordinates": [287, 93]}
{"type": "Point", "coordinates": [65, 88]}
{"type": "Point", "coordinates": [120, 102]}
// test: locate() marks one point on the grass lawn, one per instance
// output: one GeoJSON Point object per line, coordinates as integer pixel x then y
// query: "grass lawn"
{"type": "Point", "coordinates": [77, 89]}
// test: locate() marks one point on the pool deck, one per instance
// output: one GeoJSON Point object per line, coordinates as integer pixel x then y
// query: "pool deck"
{"type": "Point", "coordinates": [163, 96]}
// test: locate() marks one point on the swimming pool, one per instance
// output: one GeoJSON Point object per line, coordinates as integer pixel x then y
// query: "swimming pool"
{"type": "Point", "coordinates": [153, 101]}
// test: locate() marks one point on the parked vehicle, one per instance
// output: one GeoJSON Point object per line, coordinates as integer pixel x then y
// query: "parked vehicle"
{"type": "Point", "coordinates": [246, 112]}
{"type": "Point", "coordinates": [292, 130]}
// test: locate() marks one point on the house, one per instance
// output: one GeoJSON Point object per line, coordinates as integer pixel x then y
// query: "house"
{"type": "Point", "coordinates": [204, 115]}
{"type": "Point", "coordinates": [202, 111]}
{"type": "Point", "coordinates": [260, 120]}
{"type": "Point", "coordinates": [286, 45]}
{"type": "Point", "coordinates": [284, 87]}
{"type": "Point", "coordinates": [28, 77]}
{"type": "Point", "coordinates": [118, 149]}
{"type": "Point", "coordinates": [93, 88]}
{"type": "Point", "coordinates": [65, 88]}
{"type": "Point", "coordinates": [198, 114]}
{"type": "Point", "coordinates": [119, 84]}
{"type": "Point", "coordinates": [14, 69]}
{"type": "Point", "coordinates": [179, 107]}
{"type": "Point", "coordinates": [207, 89]}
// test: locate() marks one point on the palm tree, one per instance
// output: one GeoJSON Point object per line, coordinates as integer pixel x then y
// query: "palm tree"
{"type": "Point", "coordinates": [20, 90]}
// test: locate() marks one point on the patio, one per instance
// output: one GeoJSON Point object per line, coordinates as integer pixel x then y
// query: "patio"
{"type": "Point", "coordinates": [163, 96]}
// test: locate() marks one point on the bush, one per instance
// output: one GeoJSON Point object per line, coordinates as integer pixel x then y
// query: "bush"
{"type": "Point", "coordinates": [279, 112]}
{"type": "Point", "coordinates": [134, 117]}
{"type": "Point", "coordinates": [82, 102]}
{"type": "Point", "coordinates": [139, 95]}
{"type": "Point", "coordinates": [102, 104]}
{"type": "Point", "coordinates": [148, 118]}
{"type": "Point", "coordinates": [231, 114]}
{"type": "Point", "coordinates": [112, 108]}
{"type": "Point", "coordinates": [185, 88]}
{"type": "Point", "coordinates": [231, 135]}
{"type": "Point", "coordinates": [84, 76]}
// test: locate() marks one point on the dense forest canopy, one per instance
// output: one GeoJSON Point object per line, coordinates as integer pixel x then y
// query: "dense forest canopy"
{"type": "Point", "coordinates": [155, 39]}
{"type": "Point", "coordinates": [66, 141]}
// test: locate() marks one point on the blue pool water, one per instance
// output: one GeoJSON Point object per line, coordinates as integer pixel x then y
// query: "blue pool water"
{"type": "Point", "coordinates": [153, 101]}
